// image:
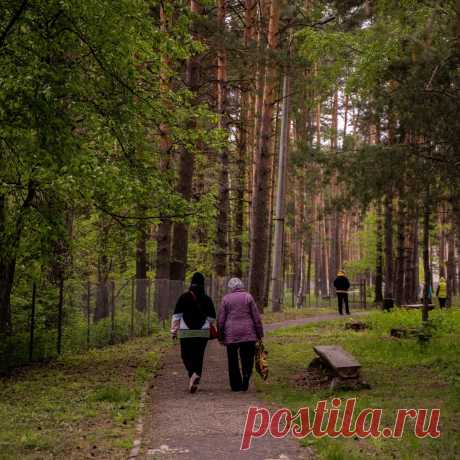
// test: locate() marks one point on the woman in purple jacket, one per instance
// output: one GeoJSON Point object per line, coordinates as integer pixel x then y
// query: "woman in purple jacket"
{"type": "Point", "coordinates": [240, 327]}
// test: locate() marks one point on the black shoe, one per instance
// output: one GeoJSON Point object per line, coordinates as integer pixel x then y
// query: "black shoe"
{"type": "Point", "coordinates": [245, 385]}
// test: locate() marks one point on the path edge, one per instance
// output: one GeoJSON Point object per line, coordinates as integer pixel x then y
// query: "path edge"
{"type": "Point", "coordinates": [135, 450]}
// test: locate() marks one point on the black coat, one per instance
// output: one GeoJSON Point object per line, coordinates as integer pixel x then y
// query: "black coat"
{"type": "Point", "coordinates": [341, 283]}
{"type": "Point", "coordinates": [195, 309]}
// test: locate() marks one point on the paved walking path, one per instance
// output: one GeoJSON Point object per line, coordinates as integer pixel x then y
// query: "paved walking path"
{"type": "Point", "coordinates": [208, 425]}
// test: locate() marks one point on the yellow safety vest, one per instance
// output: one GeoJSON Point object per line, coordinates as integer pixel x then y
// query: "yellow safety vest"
{"type": "Point", "coordinates": [442, 294]}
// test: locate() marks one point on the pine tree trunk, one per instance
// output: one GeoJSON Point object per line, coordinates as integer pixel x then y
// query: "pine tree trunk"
{"type": "Point", "coordinates": [442, 241]}
{"type": "Point", "coordinates": [379, 255]}
{"type": "Point", "coordinates": [388, 229]}
{"type": "Point", "coordinates": [141, 268]}
{"type": "Point", "coordinates": [246, 133]}
{"type": "Point", "coordinates": [7, 271]}
{"type": "Point", "coordinates": [164, 231]}
{"type": "Point", "coordinates": [416, 261]}
{"type": "Point", "coordinates": [451, 269]}
{"type": "Point", "coordinates": [221, 243]}
{"type": "Point", "coordinates": [426, 261]}
{"type": "Point", "coordinates": [260, 213]}
{"type": "Point", "coordinates": [280, 200]}
{"type": "Point", "coordinates": [179, 250]}
{"type": "Point", "coordinates": [400, 260]}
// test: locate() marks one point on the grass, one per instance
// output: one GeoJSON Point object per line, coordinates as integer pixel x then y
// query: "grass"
{"type": "Point", "coordinates": [81, 406]}
{"type": "Point", "coordinates": [298, 313]}
{"type": "Point", "coordinates": [402, 373]}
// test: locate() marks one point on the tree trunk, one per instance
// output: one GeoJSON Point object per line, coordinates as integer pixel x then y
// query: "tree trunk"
{"type": "Point", "coordinates": [221, 243]}
{"type": "Point", "coordinates": [277, 281]}
{"type": "Point", "coordinates": [164, 231]}
{"type": "Point", "coordinates": [271, 194]}
{"type": "Point", "coordinates": [7, 271]}
{"type": "Point", "coordinates": [388, 228]}
{"type": "Point", "coordinates": [260, 213]}
{"type": "Point", "coordinates": [104, 266]}
{"type": "Point", "coordinates": [400, 260]}
{"type": "Point", "coordinates": [426, 261]}
{"type": "Point", "coordinates": [186, 170]}
{"type": "Point", "coordinates": [411, 275]}
{"type": "Point", "coordinates": [256, 115]}
{"type": "Point", "coordinates": [451, 269]}
{"type": "Point", "coordinates": [141, 268]}
{"type": "Point", "coordinates": [246, 142]}
{"type": "Point", "coordinates": [379, 256]}
{"type": "Point", "coordinates": [442, 241]}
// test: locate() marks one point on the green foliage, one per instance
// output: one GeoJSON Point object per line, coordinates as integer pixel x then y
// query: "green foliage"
{"type": "Point", "coordinates": [87, 91]}
{"type": "Point", "coordinates": [367, 239]}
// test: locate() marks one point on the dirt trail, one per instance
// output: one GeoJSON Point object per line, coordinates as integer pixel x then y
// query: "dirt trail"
{"type": "Point", "coordinates": [208, 425]}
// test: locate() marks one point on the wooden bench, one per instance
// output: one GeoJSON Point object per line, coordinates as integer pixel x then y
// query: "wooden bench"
{"type": "Point", "coordinates": [417, 306]}
{"type": "Point", "coordinates": [344, 364]}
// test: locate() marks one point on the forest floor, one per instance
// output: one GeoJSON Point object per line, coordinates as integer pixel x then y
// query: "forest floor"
{"type": "Point", "coordinates": [80, 406]}
{"type": "Point", "coordinates": [208, 425]}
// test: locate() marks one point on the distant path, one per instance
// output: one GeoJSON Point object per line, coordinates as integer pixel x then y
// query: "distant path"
{"type": "Point", "coordinates": [311, 319]}
{"type": "Point", "coordinates": [208, 425]}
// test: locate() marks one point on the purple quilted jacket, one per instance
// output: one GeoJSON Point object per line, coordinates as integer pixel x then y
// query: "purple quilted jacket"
{"type": "Point", "coordinates": [239, 319]}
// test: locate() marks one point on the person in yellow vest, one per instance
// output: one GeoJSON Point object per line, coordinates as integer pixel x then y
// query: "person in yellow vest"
{"type": "Point", "coordinates": [441, 292]}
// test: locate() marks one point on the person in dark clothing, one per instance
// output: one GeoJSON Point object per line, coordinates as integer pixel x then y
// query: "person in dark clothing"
{"type": "Point", "coordinates": [192, 318]}
{"type": "Point", "coordinates": [342, 285]}
{"type": "Point", "coordinates": [240, 327]}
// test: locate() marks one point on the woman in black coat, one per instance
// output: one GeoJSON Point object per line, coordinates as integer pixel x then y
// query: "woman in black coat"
{"type": "Point", "coordinates": [191, 321]}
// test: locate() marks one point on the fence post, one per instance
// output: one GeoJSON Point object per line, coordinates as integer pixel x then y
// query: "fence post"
{"type": "Point", "coordinates": [60, 311]}
{"type": "Point", "coordinates": [132, 307]}
{"type": "Point", "coordinates": [149, 290]}
{"type": "Point", "coordinates": [112, 327]}
{"type": "Point", "coordinates": [88, 313]}
{"type": "Point", "coordinates": [32, 322]}
{"type": "Point", "coordinates": [365, 293]}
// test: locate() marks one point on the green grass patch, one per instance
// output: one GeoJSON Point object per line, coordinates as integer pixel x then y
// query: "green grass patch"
{"type": "Point", "coordinates": [403, 373]}
{"type": "Point", "coordinates": [80, 406]}
{"type": "Point", "coordinates": [299, 313]}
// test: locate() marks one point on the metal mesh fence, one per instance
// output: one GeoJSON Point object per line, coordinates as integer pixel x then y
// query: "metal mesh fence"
{"type": "Point", "coordinates": [52, 319]}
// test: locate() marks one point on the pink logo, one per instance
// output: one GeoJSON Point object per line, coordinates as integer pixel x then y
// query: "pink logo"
{"type": "Point", "coordinates": [335, 422]}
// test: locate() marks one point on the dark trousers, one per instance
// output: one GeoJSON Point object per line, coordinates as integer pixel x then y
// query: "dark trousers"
{"type": "Point", "coordinates": [343, 297]}
{"type": "Point", "coordinates": [192, 353]}
{"type": "Point", "coordinates": [442, 302]}
{"type": "Point", "coordinates": [239, 379]}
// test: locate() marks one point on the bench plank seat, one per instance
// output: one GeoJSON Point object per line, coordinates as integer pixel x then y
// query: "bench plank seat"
{"type": "Point", "coordinates": [343, 363]}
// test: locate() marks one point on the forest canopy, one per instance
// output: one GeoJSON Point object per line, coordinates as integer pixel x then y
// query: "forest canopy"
{"type": "Point", "coordinates": [272, 140]}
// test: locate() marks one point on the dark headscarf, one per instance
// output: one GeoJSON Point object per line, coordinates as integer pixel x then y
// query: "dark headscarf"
{"type": "Point", "coordinates": [195, 307]}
